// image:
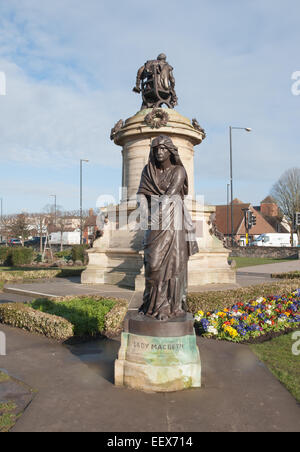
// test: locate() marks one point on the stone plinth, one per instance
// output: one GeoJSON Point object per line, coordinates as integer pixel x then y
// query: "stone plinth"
{"type": "Point", "coordinates": [158, 356]}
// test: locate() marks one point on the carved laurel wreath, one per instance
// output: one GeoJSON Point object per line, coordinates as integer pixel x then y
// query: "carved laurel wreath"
{"type": "Point", "coordinates": [157, 118]}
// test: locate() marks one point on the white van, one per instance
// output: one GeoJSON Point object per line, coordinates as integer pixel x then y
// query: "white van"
{"type": "Point", "coordinates": [68, 238]}
{"type": "Point", "coordinates": [272, 239]}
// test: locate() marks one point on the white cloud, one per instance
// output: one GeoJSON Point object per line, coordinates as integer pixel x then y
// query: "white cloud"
{"type": "Point", "coordinates": [71, 66]}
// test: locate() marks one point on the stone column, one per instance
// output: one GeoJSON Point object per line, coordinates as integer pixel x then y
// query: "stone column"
{"type": "Point", "coordinates": [136, 136]}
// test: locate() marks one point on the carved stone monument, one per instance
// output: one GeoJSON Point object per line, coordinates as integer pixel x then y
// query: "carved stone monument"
{"type": "Point", "coordinates": [158, 350]}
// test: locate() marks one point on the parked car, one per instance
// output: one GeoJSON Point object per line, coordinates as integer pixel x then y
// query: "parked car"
{"type": "Point", "coordinates": [14, 242]}
{"type": "Point", "coordinates": [35, 241]}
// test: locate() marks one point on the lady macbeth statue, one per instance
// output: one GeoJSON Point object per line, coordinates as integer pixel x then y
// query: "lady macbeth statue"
{"type": "Point", "coordinates": [169, 238]}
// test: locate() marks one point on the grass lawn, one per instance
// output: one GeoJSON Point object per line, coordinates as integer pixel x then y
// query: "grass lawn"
{"type": "Point", "coordinates": [278, 357]}
{"type": "Point", "coordinates": [250, 261]}
{"type": "Point", "coordinates": [7, 416]}
{"type": "Point", "coordinates": [7, 410]}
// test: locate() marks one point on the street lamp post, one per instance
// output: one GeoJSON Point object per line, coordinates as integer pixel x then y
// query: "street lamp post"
{"type": "Point", "coordinates": [227, 210]}
{"type": "Point", "coordinates": [247, 129]}
{"type": "Point", "coordinates": [81, 220]}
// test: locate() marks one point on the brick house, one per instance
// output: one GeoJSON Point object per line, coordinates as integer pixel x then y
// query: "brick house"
{"type": "Point", "coordinates": [263, 226]}
{"type": "Point", "coordinates": [90, 228]}
{"type": "Point", "coordinates": [271, 212]}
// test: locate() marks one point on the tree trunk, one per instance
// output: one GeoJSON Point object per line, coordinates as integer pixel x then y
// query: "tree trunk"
{"type": "Point", "coordinates": [292, 234]}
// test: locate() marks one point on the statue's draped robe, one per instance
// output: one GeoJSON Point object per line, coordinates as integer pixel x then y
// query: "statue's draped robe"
{"type": "Point", "coordinates": [169, 240]}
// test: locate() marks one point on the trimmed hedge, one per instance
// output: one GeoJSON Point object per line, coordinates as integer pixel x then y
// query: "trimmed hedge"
{"type": "Point", "coordinates": [22, 316]}
{"type": "Point", "coordinates": [210, 301]}
{"type": "Point", "coordinates": [3, 254]}
{"type": "Point", "coordinates": [64, 318]}
{"type": "Point", "coordinates": [289, 275]}
{"type": "Point", "coordinates": [29, 275]}
{"type": "Point", "coordinates": [18, 256]}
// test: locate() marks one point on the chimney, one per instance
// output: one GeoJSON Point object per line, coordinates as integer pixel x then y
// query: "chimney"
{"type": "Point", "coordinates": [269, 208]}
{"type": "Point", "coordinates": [91, 212]}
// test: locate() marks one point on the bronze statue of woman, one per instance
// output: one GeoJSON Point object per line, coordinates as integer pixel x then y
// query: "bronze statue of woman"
{"type": "Point", "coordinates": [169, 239]}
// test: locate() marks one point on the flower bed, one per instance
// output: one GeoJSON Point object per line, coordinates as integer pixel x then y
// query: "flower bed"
{"type": "Point", "coordinates": [247, 321]}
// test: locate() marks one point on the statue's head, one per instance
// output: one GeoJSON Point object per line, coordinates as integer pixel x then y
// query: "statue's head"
{"type": "Point", "coordinates": [162, 148]}
{"type": "Point", "coordinates": [162, 57]}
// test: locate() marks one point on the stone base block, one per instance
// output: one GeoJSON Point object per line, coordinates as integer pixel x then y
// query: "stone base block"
{"type": "Point", "coordinates": [158, 364]}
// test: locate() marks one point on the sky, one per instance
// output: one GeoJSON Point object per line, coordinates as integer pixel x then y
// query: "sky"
{"type": "Point", "coordinates": [70, 67]}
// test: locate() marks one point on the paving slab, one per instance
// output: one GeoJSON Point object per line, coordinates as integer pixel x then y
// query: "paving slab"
{"type": "Point", "coordinates": [76, 391]}
{"type": "Point", "coordinates": [63, 287]}
{"type": "Point", "coordinates": [268, 269]}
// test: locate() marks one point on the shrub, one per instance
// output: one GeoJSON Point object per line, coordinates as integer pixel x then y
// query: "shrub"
{"type": "Point", "coordinates": [19, 256]}
{"type": "Point", "coordinates": [23, 316]}
{"type": "Point", "coordinates": [289, 275]}
{"type": "Point", "coordinates": [38, 257]}
{"type": "Point", "coordinates": [3, 254]}
{"type": "Point", "coordinates": [114, 319]}
{"type": "Point", "coordinates": [86, 314]}
{"type": "Point", "coordinates": [66, 254]}
{"type": "Point", "coordinates": [64, 318]}
{"type": "Point", "coordinates": [78, 253]}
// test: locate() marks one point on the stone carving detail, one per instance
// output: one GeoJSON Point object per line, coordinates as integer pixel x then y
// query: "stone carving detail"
{"type": "Point", "coordinates": [214, 230]}
{"type": "Point", "coordinates": [157, 118]}
{"type": "Point", "coordinates": [197, 126]}
{"type": "Point", "coordinates": [118, 126]}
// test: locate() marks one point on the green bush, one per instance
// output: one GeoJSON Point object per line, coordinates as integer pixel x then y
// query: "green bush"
{"type": "Point", "coordinates": [64, 318]}
{"type": "Point", "coordinates": [210, 301]}
{"type": "Point", "coordinates": [86, 314]}
{"type": "Point", "coordinates": [66, 254]}
{"type": "Point", "coordinates": [38, 257]}
{"type": "Point", "coordinates": [23, 316]}
{"type": "Point", "coordinates": [289, 275]}
{"type": "Point", "coordinates": [19, 256]}
{"type": "Point", "coordinates": [78, 253]}
{"type": "Point", "coordinates": [3, 254]}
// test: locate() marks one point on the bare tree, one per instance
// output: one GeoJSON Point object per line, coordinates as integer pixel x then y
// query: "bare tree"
{"type": "Point", "coordinates": [61, 224]}
{"type": "Point", "coordinates": [286, 191]}
{"type": "Point", "coordinates": [40, 222]}
{"type": "Point", "coordinates": [6, 221]}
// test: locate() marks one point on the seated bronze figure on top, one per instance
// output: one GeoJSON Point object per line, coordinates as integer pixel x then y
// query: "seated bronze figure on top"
{"type": "Point", "coordinates": [156, 82]}
{"type": "Point", "coordinates": [170, 238]}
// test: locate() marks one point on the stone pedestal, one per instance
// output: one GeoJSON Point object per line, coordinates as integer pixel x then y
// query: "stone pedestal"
{"type": "Point", "coordinates": [117, 257]}
{"type": "Point", "coordinates": [158, 356]}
